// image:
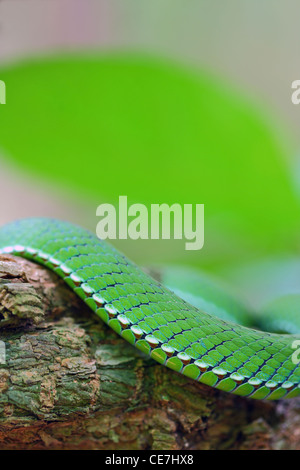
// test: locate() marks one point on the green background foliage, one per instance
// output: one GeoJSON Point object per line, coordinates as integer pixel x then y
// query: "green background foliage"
{"type": "Point", "coordinates": [116, 124]}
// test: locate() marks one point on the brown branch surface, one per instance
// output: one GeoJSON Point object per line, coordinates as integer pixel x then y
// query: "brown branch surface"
{"type": "Point", "coordinates": [69, 382]}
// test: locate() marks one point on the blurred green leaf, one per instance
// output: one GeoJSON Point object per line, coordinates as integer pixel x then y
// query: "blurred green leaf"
{"type": "Point", "coordinates": [138, 126]}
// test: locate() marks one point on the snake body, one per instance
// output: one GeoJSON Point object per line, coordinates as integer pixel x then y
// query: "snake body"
{"type": "Point", "coordinates": [218, 353]}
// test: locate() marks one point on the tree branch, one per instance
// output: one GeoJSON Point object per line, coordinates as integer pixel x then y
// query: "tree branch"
{"type": "Point", "coordinates": [69, 382]}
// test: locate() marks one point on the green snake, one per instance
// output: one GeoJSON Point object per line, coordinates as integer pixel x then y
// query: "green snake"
{"type": "Point", "coordinates": [216, 352]}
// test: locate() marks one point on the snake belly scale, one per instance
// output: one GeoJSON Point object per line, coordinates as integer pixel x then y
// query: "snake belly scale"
{"type": "Point", "coordinates": [217, 353]}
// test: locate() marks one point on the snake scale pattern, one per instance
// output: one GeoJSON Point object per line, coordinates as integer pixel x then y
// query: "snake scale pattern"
{"type": "Point", "coordinates": [221, 354]}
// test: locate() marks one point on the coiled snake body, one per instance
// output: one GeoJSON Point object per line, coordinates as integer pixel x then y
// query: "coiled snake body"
{"type": "Point", "coordinates": [218, 353]}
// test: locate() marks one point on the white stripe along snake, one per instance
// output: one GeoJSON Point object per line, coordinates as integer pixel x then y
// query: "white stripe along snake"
{"type": "Point", "coordinates": [215, 352]}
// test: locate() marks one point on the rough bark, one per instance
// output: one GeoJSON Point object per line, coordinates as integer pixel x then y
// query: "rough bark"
{"type": "Point", "coordinates": [69, 382]}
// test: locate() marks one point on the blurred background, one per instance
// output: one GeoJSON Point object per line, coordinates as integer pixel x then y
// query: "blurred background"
{"type": "Point", "coordinates": [162, 101]}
